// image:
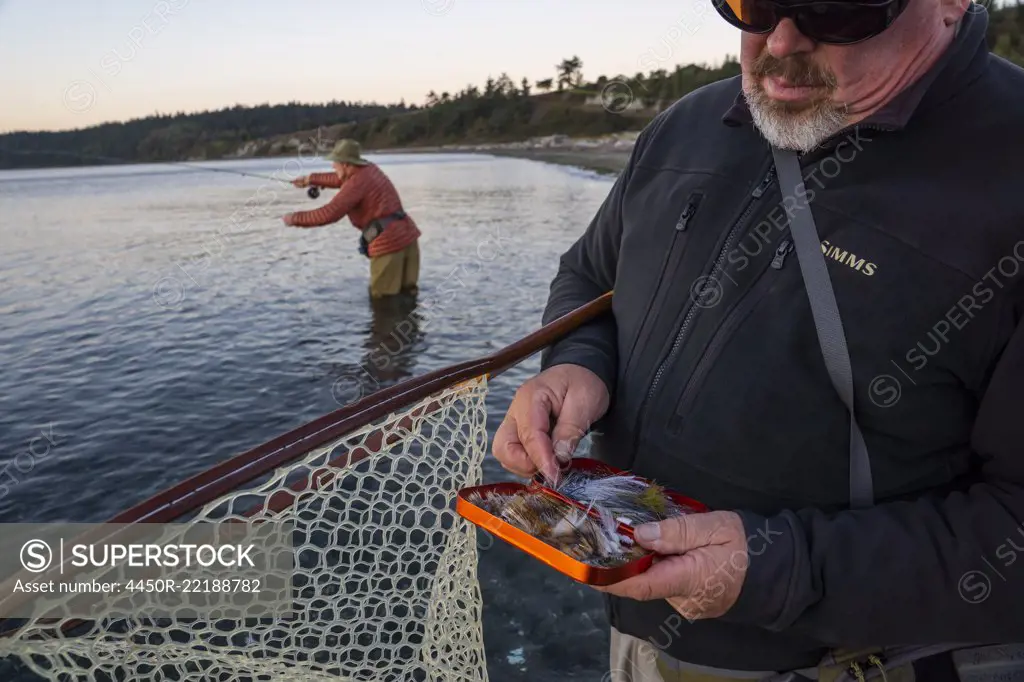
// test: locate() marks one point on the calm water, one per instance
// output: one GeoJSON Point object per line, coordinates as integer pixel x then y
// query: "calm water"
{"type": "Point", "coordinates": [138, 347]}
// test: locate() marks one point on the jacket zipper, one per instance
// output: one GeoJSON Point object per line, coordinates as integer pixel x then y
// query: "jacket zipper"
{"type": "Point", "coordinates": [691, 313]}
{"type": "Point", "coordinates": [780, 253]}
{"type": "Point", "coordinates": [682, 223]}
{"type": "Point", "coordinates": [750, 299]}
{"type": "Point", "coordinates": [763, 187]}
{"type": "Point", "coordinates": [691, 208]}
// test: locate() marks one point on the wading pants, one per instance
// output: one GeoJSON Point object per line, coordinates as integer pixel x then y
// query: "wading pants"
{"type": "Point", "coordinates": [395, 272]}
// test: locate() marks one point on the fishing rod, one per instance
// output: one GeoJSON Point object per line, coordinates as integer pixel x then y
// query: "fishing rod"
{"type": "Point", "coordinates": [312, 192]}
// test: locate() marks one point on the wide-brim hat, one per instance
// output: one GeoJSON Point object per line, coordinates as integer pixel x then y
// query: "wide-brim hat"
{"type": "Point", "coordinates": [347, 151]}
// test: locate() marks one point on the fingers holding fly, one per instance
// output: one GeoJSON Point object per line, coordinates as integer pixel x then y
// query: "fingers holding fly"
{"type": "Point", "coordinates": [534, 434]}
{"type": "Point", "coordinates": [510, 451]}
{"type": "Point", "coordinates": [522, 443]}
{"type": "Point", "coordinates": [567, 435]}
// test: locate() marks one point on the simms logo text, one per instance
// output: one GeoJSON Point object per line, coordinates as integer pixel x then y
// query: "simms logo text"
{"type": "Point", "coordinates": [847, 258]}
{"type": "Point", "coordinates": [228, 556]}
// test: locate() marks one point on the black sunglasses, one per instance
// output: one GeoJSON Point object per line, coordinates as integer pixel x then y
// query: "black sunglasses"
{"type": "Point", "coordinates": [836, 22]}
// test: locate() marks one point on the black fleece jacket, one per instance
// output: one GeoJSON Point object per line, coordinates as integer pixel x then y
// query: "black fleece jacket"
{"type": "Point", "coordinates": [719, 390]}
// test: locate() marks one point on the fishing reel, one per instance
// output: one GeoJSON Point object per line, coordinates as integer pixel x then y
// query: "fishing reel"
{"type": "Point", "coordinates": [313, 192]}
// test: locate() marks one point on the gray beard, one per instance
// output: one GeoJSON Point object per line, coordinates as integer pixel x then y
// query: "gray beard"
{"type": "Point", "coordinates": [799, 131]}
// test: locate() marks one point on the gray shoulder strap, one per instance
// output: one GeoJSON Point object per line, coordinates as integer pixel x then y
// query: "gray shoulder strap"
{"type": "Point", "coordinates": [826, 319]}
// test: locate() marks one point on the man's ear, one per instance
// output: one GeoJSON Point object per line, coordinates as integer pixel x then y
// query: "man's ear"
{"type": "Point", "coordinates": [953, 11]}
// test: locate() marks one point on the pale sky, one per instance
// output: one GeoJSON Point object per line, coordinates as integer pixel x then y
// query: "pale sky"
{"type": "Point", "coordinates": [70, 64]}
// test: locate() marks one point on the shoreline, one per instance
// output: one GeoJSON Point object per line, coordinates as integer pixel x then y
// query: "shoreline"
{"type": "Point", "coordinates": [606, 155]}
{"type": "Point", "coordinates": [608, 163]}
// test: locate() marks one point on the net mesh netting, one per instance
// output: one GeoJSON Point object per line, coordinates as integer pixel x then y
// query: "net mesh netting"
{"type": "Point", "coordinates": [384, 585]}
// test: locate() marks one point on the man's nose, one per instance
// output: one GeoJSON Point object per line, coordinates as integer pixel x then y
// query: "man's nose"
{"type": "Point", "coordinates": [787, 40]}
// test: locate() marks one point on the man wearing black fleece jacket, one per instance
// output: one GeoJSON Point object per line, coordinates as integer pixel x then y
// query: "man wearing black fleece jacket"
{"type": "Point", "coordinates": [708, 375]}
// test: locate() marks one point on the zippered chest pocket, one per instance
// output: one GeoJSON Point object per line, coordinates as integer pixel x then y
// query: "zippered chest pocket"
{"type": "Point", "coordinates": [712, 259]}
{"type": "Point", "coordinates": [689, 210]}
{"type": "Point", "coordinates": [659, 245]}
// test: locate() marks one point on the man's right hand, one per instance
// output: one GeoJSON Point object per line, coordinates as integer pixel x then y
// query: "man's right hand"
{"type": "Point", "coordinates": [548, 417]}
{"type": "Point", "coordinates": [302, 181]}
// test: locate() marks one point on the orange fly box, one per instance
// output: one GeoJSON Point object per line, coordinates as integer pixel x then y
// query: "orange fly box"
{"type": "Point", "coordinates": [549, 554]}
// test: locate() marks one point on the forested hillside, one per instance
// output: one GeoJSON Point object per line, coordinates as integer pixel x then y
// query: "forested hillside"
{"type": "Point", "coordinates": [506, 110]}
{"type": "Point", "coordinates": [1006, 32]}
{"type": "Point", "coordinates": [207, 134]}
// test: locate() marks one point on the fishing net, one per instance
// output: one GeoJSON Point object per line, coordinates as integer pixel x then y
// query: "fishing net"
{"type": "Point", "coordinates": [385, 584]}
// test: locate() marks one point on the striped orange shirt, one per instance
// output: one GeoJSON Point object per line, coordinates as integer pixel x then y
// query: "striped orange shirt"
{"type": "Point", "coordinates": [368, 194]}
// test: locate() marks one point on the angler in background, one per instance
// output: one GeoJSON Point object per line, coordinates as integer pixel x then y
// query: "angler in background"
{"type": "Point", "coordinates": [389, 236]}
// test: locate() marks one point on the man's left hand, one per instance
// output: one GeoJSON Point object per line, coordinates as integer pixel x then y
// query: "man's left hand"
{"type": "Point", "coordinates": [704, 564]}
{"type": "Point", "coordinates": [289, 219]}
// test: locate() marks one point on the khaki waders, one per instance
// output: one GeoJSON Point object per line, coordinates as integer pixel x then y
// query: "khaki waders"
{"type": "Point", "coordinates": [395, 272]}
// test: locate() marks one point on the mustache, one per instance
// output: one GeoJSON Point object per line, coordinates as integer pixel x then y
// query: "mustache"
{"type": "Point", "coordinates": [798, 70]}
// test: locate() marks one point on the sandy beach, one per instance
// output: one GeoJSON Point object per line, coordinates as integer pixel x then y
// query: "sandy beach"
{"type": "Point", "coordinates": [606, 154]}
{"type": "Point", "coordinates": [610, 162]}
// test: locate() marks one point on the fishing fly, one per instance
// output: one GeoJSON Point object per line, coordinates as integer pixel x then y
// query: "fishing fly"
{"type": "Point", "coordinates": [572, 531]}
{"type": "Point", "coordinates": [592, 530]}
{"type": "Point", "coordinates": [631, 500]}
